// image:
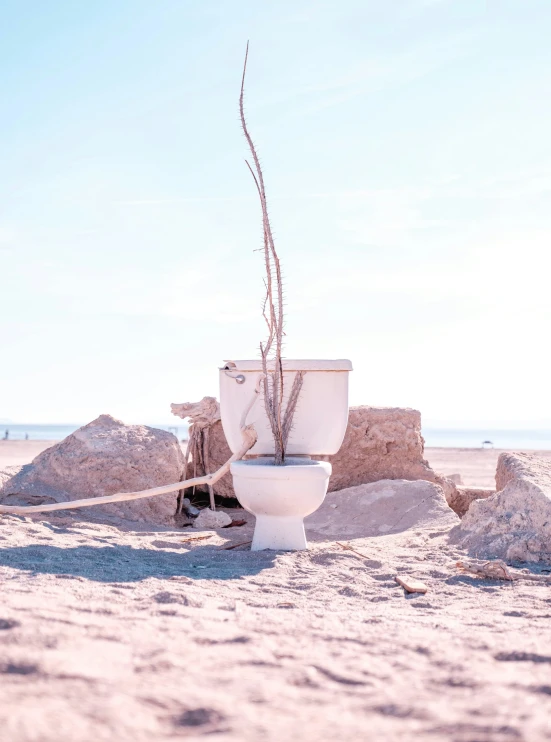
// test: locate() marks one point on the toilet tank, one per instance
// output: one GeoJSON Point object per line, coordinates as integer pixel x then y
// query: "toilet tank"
{"type": "Point", "coordinates": [321, 415]}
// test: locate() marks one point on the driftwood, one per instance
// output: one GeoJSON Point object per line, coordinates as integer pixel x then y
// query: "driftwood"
{"type": "Point", "coordinates": [496, 569]}
{"type": "Point", "coordinates": [249, 439]}
{"type": "Point", "coordinates": [202, 415]}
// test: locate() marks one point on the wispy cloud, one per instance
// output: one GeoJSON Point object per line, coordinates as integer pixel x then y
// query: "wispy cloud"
{"type": "Point", "coordinates": [375, 72]}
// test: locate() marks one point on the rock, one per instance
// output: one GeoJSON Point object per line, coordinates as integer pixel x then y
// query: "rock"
{"type": "Point", "coordinates": [103, 458]}
{"type": "Point", "coordinates": [460, 498]}
{"type": "Point", "coordinates": [6, 473]}
{"type": "Point", "coordinates": [515, 523]}
{"type": "Point", "coordinates": [456, 478]}
{"type": "Point", "coordinates": [513, 465]}
{"type": "Point", "coordinates": [209, 519]}
{"type": "Point", "coordinates": [382, 508]}
{"type": "Point", "coordinates": [189, 509]}
{"type": "Point", "coordinates": [380, 443]}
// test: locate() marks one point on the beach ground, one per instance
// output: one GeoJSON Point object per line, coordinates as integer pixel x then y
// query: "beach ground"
{"type": "Point", "coordinates": [118, 630]}
{"type": "Point", "coordinates": [477, 466]}
{"type": "Point", "coordinates": [123, 631]}
{"type": "Point", "coordinates": [16, 453]}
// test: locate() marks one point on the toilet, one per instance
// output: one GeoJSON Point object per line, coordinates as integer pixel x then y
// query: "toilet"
{"type": "Point", "coordinates": [280, 497]}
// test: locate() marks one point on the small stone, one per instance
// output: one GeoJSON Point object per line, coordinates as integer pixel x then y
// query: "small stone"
{"type": "Point", "coordinates": [190, 510]}
{"type": "Point", "coordinates": [208, 519]}
{"type": "Point", "coordinates": [411, 585]}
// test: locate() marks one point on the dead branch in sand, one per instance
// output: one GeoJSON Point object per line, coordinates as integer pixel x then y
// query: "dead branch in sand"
{"type": "Point", "coordinates": [234, 546]}
{"type": "Point", "coordinates": [202, 415]}
{"type": "Point", "coordinates": [496, 569]}
{"type": "Point", "coordinates": [349, 548]}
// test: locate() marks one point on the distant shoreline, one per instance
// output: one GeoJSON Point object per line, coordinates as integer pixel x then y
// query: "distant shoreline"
{"type": "Point", "coordinates": [458, 438]}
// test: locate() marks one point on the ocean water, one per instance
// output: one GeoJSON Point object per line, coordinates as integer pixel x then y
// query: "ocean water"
{"type": "Point", "coordinates": [58, 432]}
{"type": "Point", "coordinates": [434, 437]}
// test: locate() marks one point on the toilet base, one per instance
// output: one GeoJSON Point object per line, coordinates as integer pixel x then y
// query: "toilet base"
{"type": "Point", "coordinates": [279, 532]}
{"type": "Point", "coordinates": [280, 497]}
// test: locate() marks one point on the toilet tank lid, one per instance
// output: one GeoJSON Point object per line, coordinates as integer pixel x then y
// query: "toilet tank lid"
{"type": "Point", "coordinates": [340, 364]}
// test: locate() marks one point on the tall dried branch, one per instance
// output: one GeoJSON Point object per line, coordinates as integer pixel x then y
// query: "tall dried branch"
{"type": "Point", "coordinates": [272, 309]}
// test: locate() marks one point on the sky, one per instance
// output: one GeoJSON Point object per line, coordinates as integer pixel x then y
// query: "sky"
{"type": "Point", "coordinates": [407, 160]}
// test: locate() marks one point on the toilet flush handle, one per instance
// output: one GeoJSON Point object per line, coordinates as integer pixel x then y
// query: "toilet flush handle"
{"type": "Point", "coordinates": [240, 379]}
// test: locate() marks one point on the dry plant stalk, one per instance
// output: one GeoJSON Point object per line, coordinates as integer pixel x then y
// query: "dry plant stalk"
{"type": "Point", "coordinates": [497, 570]}
{"type": "Point", "coordinates": [203, 415]}
{"type": "Point", "coordinates": [270, 351]}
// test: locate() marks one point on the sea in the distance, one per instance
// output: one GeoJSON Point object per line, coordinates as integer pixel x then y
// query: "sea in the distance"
{"type": "Point", "coordinates": [58, 432]}
{"type": "Point", "coordinates": [520, 440]}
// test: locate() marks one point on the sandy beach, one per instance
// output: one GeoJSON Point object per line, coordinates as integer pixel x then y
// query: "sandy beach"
{"type": "Point", "coordinates": [477, 466]}
{"type": "Point", "coordinates": [111, 630]}
{"type": "Point", "coordinates": [16, 453]}
{"type": "Point", "coordinates": [114, 629]}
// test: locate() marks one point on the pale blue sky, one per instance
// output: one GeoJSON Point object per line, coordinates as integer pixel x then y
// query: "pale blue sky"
{"type": "Point", "coordinates": [407, 157]}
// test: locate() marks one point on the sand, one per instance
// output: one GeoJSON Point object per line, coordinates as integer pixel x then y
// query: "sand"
{"type": "Point", "coordinates": [108, 632]}
{"type": "Point", "coordinates": [113, 631]}
{"type": "Point", "coordinates": [477, 466]}
{"type": "Point", "coordinates": [15, 453]}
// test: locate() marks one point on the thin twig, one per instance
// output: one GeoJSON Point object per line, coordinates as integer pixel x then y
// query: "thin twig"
{"type": "Point", "coordinates": [291, 406]}
{"type": "Point", "coordinates": [234, 546]}
{"type": "Point", "coordinates": [349, 548]}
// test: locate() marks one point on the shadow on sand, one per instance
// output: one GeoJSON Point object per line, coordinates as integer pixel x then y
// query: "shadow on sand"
{"type": "Point", "coordinates": [126, 564]}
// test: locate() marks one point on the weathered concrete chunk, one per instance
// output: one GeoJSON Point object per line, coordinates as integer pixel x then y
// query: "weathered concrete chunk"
{"type": "Point", "coordinates": [103, 458]}
{"type": "Point", "coordinates": [515, 523]}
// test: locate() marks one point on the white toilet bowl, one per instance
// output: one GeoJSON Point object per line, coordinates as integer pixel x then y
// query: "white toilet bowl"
{"type": "Point", "coordinates": [281, 496]}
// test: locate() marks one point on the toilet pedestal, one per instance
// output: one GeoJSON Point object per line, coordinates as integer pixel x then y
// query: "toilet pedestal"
{"type": "Point", "coordinates": [280, 497]}
{"type": "Point", "coordinates": [282, 532]}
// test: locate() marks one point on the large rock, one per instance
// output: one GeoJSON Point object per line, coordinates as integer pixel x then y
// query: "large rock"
{"type": "Point", "coordinates": [380, 443]}
{"type": "Point", "coordinates": [103, 458]}
{"type": "Point", "coordinates": [515, 523]}
{"type": "Point", "coordinates": [380, 509]}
